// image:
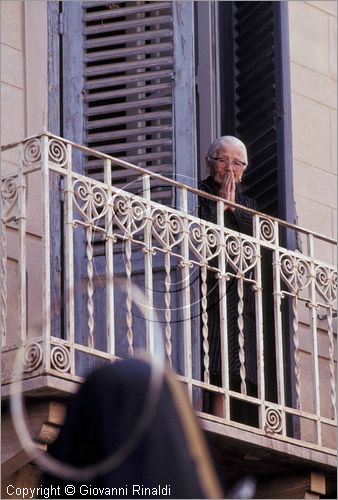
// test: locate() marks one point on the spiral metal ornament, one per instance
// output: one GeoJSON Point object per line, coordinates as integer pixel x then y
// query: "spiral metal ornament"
{"type": "Point", "coordinates": [129, 300]}
{"type": "Point", "coordinates": [167, 299]}
{"type": "Point", "coordinates": [273, 421]}
{"type": "Point", "coordinates": [9, 190]}
{"type": "Point", "coordinates": [9, 196]}
{"type": "Point", "coordinates": [129, 215]}
{"type": "Point", "coordinates": [295, 272]}
{"type": "Point", "coordinates": [60, 359]}
{"type": "Point", "coordinates": [267, 230]}
{"type": "Point", "coordinates": [332, 363]}
{"type": "Point", "coordinates": [296, 352]}
{"type": "Point", "coordinates": [3, 283]}
{"type": "Point", "coordinates": [90, 200]}
{"type": "Point", "coordinates": [57, 152]}
{"type": "Point", "coordinates": [240, 323]}
{"type": "Point", "coordinates": [204, 241]}
{"type": "Point", "coordinates": [31, 152]}
{"type": "Point", "coordinates": [32, 357]}
{"type": "Point", "coordinates": [90, 285]}
{"type": "Point", "coordinates": [167, 229]}
{"type": "Point", "coordinates": [241, 254]}
{"type": "Point", "coordinates": [233, 247]}
{"type": "Point", "coordinates": [204, 304]}
{"type": "Point", "coordinates": [326, 283]}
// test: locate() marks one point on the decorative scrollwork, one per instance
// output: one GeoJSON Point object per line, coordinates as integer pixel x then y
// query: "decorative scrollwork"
{"type": "Point", "coordinates": [267, 230]}
{"type": "Point", "coordinates": [32, 357]}
{"type": "Point", "coordinates": [273, 421]}
{"type": "Point", "coordinates": [9, 195]}
{"type": "Point", "coordinates": [31, 152]}
{"type": "Point", "coordinates": [295, 272]}
{"type": "Point", "coordinates": [129, 214]}
{"type": "Point", "coordinates": [167, 228]}
{"type": "Point", "coordinates": [57, 152]}
{"type": "Point", "coordinates": [90, 200]}
{"type": "Point", "coordinates": [326, 283]}
{"type": "Point", "coordinates": [204, 241]}
{"type": "Point", "coordinates": [240, 254]}
{"type": "Point", "coordinates": [9, 189]}
{"type": "Point", "coordinates": [60, 359]}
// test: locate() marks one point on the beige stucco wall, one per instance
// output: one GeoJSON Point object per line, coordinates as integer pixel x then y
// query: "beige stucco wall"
{"type": "Point", "coordinates": [12, 71]}
{"type": "Point", "coordinates": [24, 99]}
{"type": "Point", "coordinates": [24, 82]}
{"type": "Point", "coordinates": [313, 54]}
{"type": "Point", "coordinates": [24, 88]}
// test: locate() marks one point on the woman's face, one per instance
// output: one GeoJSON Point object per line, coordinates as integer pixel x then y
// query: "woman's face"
{"type": "Point", "coordinates": [228, 158]}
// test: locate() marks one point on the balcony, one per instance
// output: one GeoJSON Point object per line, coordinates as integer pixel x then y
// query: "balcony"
{"type": "Point", "coordinates": [92, 271]}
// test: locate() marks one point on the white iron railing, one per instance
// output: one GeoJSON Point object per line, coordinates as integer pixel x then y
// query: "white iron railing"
{"type": "Point", "coordinates": [73, 248]}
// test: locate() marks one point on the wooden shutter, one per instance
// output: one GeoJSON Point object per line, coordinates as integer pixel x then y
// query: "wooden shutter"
{"type": "Point", "coordinates": [128, 87]}
{"type": "Point", "coordinates": [256, 107]}
{"type": "Point", "coordinates": [255, 91]}
{"type": "Point", "coordinates": [253, 102]}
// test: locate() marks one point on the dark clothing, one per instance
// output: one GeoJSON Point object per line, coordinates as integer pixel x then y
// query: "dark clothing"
{"type": "Point", "coordinates": [239, 221]}
{"type": "Point", "coordinates": [103, 415]}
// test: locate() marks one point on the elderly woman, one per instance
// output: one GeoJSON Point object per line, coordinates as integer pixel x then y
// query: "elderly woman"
{"type": "Point", "coordinates": [227, 161]}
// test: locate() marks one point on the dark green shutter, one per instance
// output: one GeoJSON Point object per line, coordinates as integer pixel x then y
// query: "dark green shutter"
{"type": "Point", "coordinates": [256, 107]}
{"type": "Point", "coordinates": [253, 102]}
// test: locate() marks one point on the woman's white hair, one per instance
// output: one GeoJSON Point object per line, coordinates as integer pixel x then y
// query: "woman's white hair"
{"type": "Point", "coordinates": [226, 139]}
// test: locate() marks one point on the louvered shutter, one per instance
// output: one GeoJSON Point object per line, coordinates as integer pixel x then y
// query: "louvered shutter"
{"type": "Point", "coordinates": [255, 99]}
{"type": "Point", "coordinates": [128, 87]}
{"type": "Point", "coordinates": [256, 108]}
{"type": "Point", "coordinates": [253, 85]}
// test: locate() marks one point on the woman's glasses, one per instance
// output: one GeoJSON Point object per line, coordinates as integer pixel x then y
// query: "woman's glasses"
{"type": "Point", "coordinates": [238, 164]}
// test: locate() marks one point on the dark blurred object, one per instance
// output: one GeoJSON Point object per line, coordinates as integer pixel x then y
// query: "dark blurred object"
{"type": "Point", "coordinates": [169, 459]}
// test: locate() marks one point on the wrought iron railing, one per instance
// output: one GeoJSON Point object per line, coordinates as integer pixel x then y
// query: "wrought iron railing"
{"type": "Point", "coordinates": [75, 249]}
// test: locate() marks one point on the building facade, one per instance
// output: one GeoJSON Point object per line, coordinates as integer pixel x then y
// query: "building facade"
{"type": "Point", "coordinates": [152, 84]}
